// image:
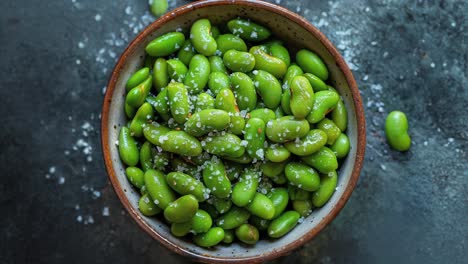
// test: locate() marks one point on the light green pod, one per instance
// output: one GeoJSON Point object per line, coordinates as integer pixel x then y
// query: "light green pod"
{"type": "Point", "coordinates": [204, 101]}
{"type": "Point", "coordinates": [327, 188]}
{"type": "Point", "coordinates": [176, 70]}
{"type": "Point", "coordinates": [230, 42]}
{"type": "Point", "coordinates": [268, 87]}
{"type": "Point", "coordinates": [166, 44]}
{"type": "Point", "coordinates": [221, 205]}
{"type": "Point", "coordinates": [228, 236]}
{"type": "Point", "coordinates": [396, 130]}
{"type": "Point", "coordinates": [302, 176]}
{"type": "Point", "coordinates": [161, 104]}
{"type": "Point", "coordinates": [244, 159]}
{"type": "Point", "coordinates": [186, 53]}
{"type": "Point", "coordinates": [260, 223]}
{"type": "Point", "coordinates": [277, 153]}
{"type": "Point", "coordinates": [137, 78]}
{"type": "Point", "coordinates": [224, 145]}
{"type": "Point", "coordinates": [279, 51]}
{"type": "Point", "coordinates": [332, 130]}
{"type": "Point", "coordinates": [198, 74]}
{"type": "Point", "coordinates": [181, 143]}
{"type": "Point", "coordinates": [244, 91]}
{"type": "Point", "coordinates": [265, 114]}
{"type": "Point", "coordinates": [200, 34]}
{"type": "Point", "coordinates": [129, 111]}
{"type": "Point", "coordinates": [303, 207]}
{"type": "Point", "coordinates": [283, 224]}
{"type": "Point", "coordinates": [217, 64]}
{"type": "Point", "coordinates": [160, 193]}
{"type": "Point", "coordinates": [302, 97]}
{"type": "Point", "coordinates": [146, 156]}
{"type": "Point", "coordinates": [239, 61]}
{"type": "Point", "coordinates": [179, 102]}
{"type": "Point", "coordinates": [268, 63]}
{"type": "Point", "coordinates": [128, 149]}
{"type": "Point", "coordinates": [261, 206]}
{"type": "Point", "coordinates": [286, 101]}
{"type": "Point", "coordinates": [233, 218]}
{"type": "Point", "coordinates": [255, 137]}
{"type": "Point", "coordinates": [298, 194]}
{"type": "Point", "coordinates": [158, 7]}
{"type": "Point", "coordinates": [137, 95]}
{"type": "Point", "coordinates": [311, 143]}
{"type": "Point", "coordinates": [339, 115]}
{"type": "Point", "coordinates": [218, 81]}
{"type": "Point", "coordinates": [142, 116]}
{"type": "Point", "coordinates": [341, 146]}
{"type": "Point", "coordinates": [160, 74]}
{"type": "Point", "coordinates": [160, 159]}
{"type": "Point", "coordinates": [279, 179]}
{"type": "Point", "coordinates": [215, 178]}
{"type": "Point", "coordinates": [201, 222]}
{"type": "Point", "coordinates": [272, 169]}
{"type": "Point", "coordinates": [286, 128]}
{"type": "Point", "coordinates": [316, 82]}
{"type": "Point", "coordinates": [182, 209]}
{"type": "Point", "coordinates": [247, 234]}
{"type": "Point", "coordinates": [181, 229]}
{"type": "Point", "coordinates": [280, 199]}
{"type": "Point", "coordinates": [324, 160]}
{"type": "Point", "coordinates": [225, 100]}
{"type": "Point", "coordinates": [135, 176]}
{"type": "Point", "coordinates": [185, 184]}
{"type": "Point", "coordinates": [153, 132]}
{"type": "Point", "coordinates": [248, 30]}
{"type": "Point", "coordinates": [206, 121]}
{"type": "Point", "coordinates": [147, 206]}
{"type": "Point", "coordinates": [244, 191]}
{"type": "Point", "coordinates": [292, 71]}
{"type": "Point", "coordinates": [325, 101]}
{"type": "Point", "coordinates": [211, 238]}
{"type": "Point", "coordinates": [312, 63]}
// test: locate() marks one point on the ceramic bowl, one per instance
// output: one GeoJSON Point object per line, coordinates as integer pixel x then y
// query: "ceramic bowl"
{"type": "Point", "coordinates": [296, 32]}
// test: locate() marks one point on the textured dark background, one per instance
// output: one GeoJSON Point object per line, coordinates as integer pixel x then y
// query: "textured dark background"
{"type": "Point", "coordinates": [57, 205]}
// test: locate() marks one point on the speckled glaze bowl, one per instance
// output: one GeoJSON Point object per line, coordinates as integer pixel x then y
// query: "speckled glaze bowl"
{"type": "Point", "coordinates": [296, 32]}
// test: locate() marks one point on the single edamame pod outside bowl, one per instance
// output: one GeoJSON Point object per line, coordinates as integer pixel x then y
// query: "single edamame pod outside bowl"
{"type": "Point", "coordinates": [295, 33]}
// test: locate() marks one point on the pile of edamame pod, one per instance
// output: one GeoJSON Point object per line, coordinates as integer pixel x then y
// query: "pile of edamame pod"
{"type": "Point", "coordinates": [227, 138]}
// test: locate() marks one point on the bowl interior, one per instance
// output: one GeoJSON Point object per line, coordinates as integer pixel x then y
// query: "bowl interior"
{"type": "Point", "coordinates": [294, 35]}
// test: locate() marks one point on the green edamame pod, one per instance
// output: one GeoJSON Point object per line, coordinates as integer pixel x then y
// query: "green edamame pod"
{"type": "Point", "coordinates": [137, 95]}
{"type": "Point", "coordinates": [201, 222]}
{"type": "Point", "coordinates": [181, 143]}
{"type": "Point", "coordinates": [244, 191]}
{"type": "Point", "coordinates": [244, 91]}
{"type": "Point", "coordinates": [277, 153]}
{"type": "Point", "coordinates": [239, 61]}
{"type": "Point", "coordinates": [283, 224]}
{"type": "Point", "coordinates": [268, 87]}
{"type": "Point", "coordinates": [332, 130]}
{"type": "Point", "coordinates": [230, 42]}
{"type": "Point", "coordinates": [327, 188]}
{"type": "Point", "coordinates": [324, 160]}
{"type": "Point", "coordinates": [186, 53]}
{"type": "Point", "coordinates": [255, 137]}
{"type": "Point", "coordinates": [217, 64]}
{"type": "Point", "coordinates": [244, 159]}
{"type": "Point", "coordinates": [247, 234]}
{"type": "Point", "coordinates": [166, 44]}
{"type": "Point", "coordinates": [137, 78]}
{"type": "Point", "coordinates": [312, 63]}
{"type": "Point", "coordinates": [396, 130]}
{"type": "Point", "coordinates": [176, 70]}
{"type": "Point", "coordinates": [142, 116]}
{"type": "Point", "coordinates": [160, 193]}
{"type": "Point", "coordinates": [221, 205]}
{"type": "Point", "coordinates": [286, 101]}
{"type": "Point", "coordinates": [181, 229]}
{"type": "Point", "coordinates": [210, 209]}
{"type": "Point", "coordinates": [279, 179]}
{"type": "Point", "coordinates": [233, 170]}
{"type": "Point", "coordinates": [286, 128]}
{"type": "Point", "coordinates": [206, 121]}
{"type": "Point", "coordinates": [215, 179]}
{"type": "Point", "coordinates": [263, 113]}
{"type": "Point", "coordinates": [279, 51]}
{"type": "Point", "coordinates": [182, 209]}
{"type": "Point", "coordinates": [198, 74]}
{"type": "Point", "coordinates": [303, 207]}
{"type": "Point", "coordinates": [146, 156]}
{"type": "Point", "coordinates": [316, 82]}
{"type": "Point", "coordinates": [204, 101]}
{"type": "Point", "coordinates": [211, 238]}
{"type": "Point", "coordinates": [153, 132]}
{"type": "Point", "coordinates": [160, 74]}
{"type": "Point", "coordinates": [259, 223]}
{"type": "Point", "coordinates": [311, 143]}
{"type": "Point", "coordinates": [224, 144]}
{"type": "Point", "coordinates": [179, 102]}
{"type": "Point", "coordinates": [129, 111]}
{"type": "Point", "coordinates": [185, 184]}
{"type": "Point", "coordinates": [215, 32]}
{"type": "Point", "coordinates": [268, 63]}
{"type": "Point", "coordinates": [272, 169]}
{"type": "Point", "coordinates": [280, 198]}
{"type": "Point", "coordinates": [135, 176]}
{"type": "Point", "coordinates": [233, 218]}
{"type": "Point", "coordinates": [291, 72]}
{"type": "Point", "coordinates": [158, 7]}
{"type": "Point", "coordinates": [261, 206]}
{"type": "Point", "coordinates": [200, 34]}
{"type": "Point", "coordinates": [298, 194]}
{"type": "Point", "coordinates": [147, 207]}
{"type": "Point", "coordinates": [225, 100]}
{"type": "Point", "coordinates": [339, 115]}
{"type": "Point", "coordinates": [161, 104]}
{"type": "Point", "coordinates": [160, 159]}
{"type": "Point", "coordinates": [302, 176]}
{"type": "Point", "coordinates": [248, 30]}
{"type": "Point", "coordinates": [228, 236]}
{"type": "Point", "coordinates": [218, 81]}
{"type": "Point", "coordinates": [128, 149]}
{"type": "Point", "coordinates": [325, 101]}
{"type": "Point", "coordinates": [302, 97]}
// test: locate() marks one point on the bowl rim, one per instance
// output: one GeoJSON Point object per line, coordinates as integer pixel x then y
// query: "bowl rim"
{"type": "Point", "coordinates": [361, 132]}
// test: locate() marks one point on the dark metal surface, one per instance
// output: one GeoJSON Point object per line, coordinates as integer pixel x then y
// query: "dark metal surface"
{"type": "Point", "coordinates": [57, 205]}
